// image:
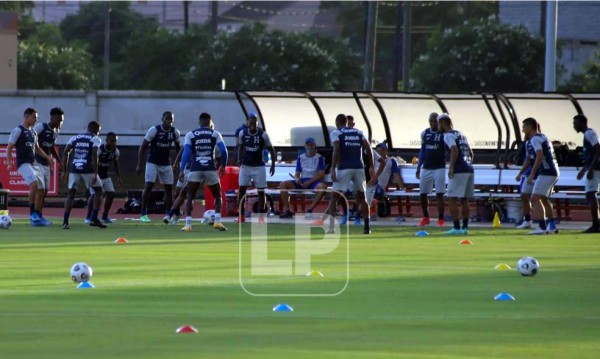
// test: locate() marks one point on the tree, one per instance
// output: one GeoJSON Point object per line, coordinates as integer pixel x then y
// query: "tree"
{"type": "Point", "coordinates": [87, 26]}
{"type": "Point", "coordinates": [481, 56]}
{"type": "Point", "coordinates": [426, 16]}
{"type": "Point", "coordinates": [256, 59]}
{"type": "Point", "coordinates": [47, 61]}
{"type": "Point", "coordinates": [159, 60]}
{"type": "Point", "coordinates": [588, 80]}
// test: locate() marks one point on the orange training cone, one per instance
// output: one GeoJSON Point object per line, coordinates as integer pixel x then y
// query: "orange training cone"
{"type": "Point", "coordinates": [121, 240]}
{"type": "Point", "coordinates": [465, 241]}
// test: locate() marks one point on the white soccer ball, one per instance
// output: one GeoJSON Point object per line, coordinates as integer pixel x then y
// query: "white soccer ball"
{"type": "Point", "coordinates": [5, 221]}
{"type": "Point", "coordinates": [81, 272]}
{"type": "Point", "coordinates": [528, 266]}
{"type": "Point", "coordinates": [209, 216]}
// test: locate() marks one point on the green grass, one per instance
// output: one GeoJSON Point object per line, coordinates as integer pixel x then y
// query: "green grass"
{"type": "Point", "coordinates": [408, 297]}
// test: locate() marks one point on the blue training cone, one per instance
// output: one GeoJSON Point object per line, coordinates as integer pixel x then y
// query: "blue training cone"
{"type": "Point", "coordinates": [283, 308]}
{"type": "Point", "coordinates": [85, 285]}
{"type": "Point", "coordinates": [504, 296]}
{"type": "Point", "coordinates": [421, 234]}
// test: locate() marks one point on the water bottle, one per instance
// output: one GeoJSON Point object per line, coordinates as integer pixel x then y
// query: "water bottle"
{"type": "Point", "coordinates": [279, 157]}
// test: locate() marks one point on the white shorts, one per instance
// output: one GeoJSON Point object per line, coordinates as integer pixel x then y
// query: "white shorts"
{"type": "Point", "coordinates": [107, 185]}
{"type": "Point", "coordinates": [432, 178]}
{"type": "Point", "coordinates": [45, 170]}
{"type": "Point", "coordinates": [544, 185]}
{"type": "Point", "coordinates": [345, 176]}
{"type": "Point", "coordinates": [31, 172]}
{"type": "Point", "coordinates": [209, 178]}
{"type": "Point", "coordinates": [180, 184]}
{"type": "Point", "coordinates": [462, 185]}
{"type": "Point", "coordinates": [591, 185]}
{"type": "Point", "coordinates": [257, 174]}
{"type": "Point", "coordinates": [164, 173]}
{"type": "Point", "coordinates": [86, 178]}
{"type": "Point", "coordinates": [526, 188]}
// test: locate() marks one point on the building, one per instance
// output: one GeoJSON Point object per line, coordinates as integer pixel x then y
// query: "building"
{"type": "Point", "coordinates": [578, 30]}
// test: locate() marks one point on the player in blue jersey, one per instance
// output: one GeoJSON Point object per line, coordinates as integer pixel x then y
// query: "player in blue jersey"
{"type": "Point", "coordinates": [108, 154]}
{"type": "Point", "coordinates": [591, 168]}
{"type": "Point", "coordinates": [525, 188]}
{"type": "Point", "coordinates": [84, 167]}
{"type": "Point", "coordinates": [347, 164]}
{"type": "Point", "coordinates": [160, 139]}
{"type": "Point", "coordinates": [239, 130]}
{"type": "Point", "coordinates": [199, 145]}
{"type": "Point", "coordinates": [433, 174]}
{"type": "Point", "coordinates": [461, 181]}
{"type": "Point", "coordinates": [24, 140]}
{"type": "Point", "coordinates": [310, 171]}
{"type": "Point", "coordinates": [47, 133]}
{"type": "Point", "coordinates": [252, 142]}
{"type": "Point", "coordinates": [544, 175]}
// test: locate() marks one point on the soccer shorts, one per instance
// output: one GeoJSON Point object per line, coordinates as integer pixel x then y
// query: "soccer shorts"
{"type": "Point", "coordinates": [346, 175]}
{"type": "Point", "coordinates": [524, 187]}
{"type": "Point", "coordinates": [432, 178]}
{"type": "Point", "coordinates": [544, 185]}
{"type": "Point", "coordinates": [31, 172]}
{"type": "Point", "coordinates": [462, 185]}
{"type": "Point", "coordinates": [164, 173]}
{"type": "Point", "coordinates": [209, 178]}
{"type": "Point", "coordinates": [107, 185]}
{"type": "Point", "coordinates": [591, 185]}
{"type": "Point", "coordinates": [257, 174]}
{"type": "Point", "coordinates": [87, 179]}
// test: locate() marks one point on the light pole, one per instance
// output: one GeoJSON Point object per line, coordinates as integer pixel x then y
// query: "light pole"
{"type": "Point", "coordinates": [106, 44]}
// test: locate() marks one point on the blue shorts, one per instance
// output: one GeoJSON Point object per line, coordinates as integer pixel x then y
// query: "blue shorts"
{"type": "Point", "coordinates": [304, 180]}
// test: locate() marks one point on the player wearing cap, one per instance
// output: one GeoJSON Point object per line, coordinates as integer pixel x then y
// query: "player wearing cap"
{"type": "Point", "coordinates": [433, 163]}
{"type": "Point", "coordinates": [252, 142]}
{"type": "Point", "coordinates": [160, 139]}
{"type": "Point", "coordinates": [310, 171]}
{"type": "Point", "coordinates": [591, 168]}
{"type": "Point", "coordinates": [461, 178]}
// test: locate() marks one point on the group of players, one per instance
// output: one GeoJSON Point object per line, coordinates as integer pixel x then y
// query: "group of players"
{"type": "Point", "coordinates": [355, 167]}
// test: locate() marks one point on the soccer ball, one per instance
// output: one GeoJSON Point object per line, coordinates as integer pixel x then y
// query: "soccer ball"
{"type": "Point", "coordinates": [5, 221]}
{"type": "Point", "coordinates": [528, 266]}
{"type": "Point", "coordinates": [209, 216]}
{"type": "Point", "coordinates": [81, 272]}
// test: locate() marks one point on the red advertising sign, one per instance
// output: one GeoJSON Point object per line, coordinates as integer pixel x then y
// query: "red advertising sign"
{"type": "Point", "coordinates": [14, 182]}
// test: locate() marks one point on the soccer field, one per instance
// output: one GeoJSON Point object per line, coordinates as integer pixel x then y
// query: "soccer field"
{"type": "Point", "coordinates": [408, 296]}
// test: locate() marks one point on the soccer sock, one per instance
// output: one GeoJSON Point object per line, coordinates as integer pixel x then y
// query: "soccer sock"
{"type": "Point", "coordinates": [543, 224]}
{"type": "Point", "coordinates": [596, 222]}
{"type": "Point", "coordinates": [551, 223]}
{"type": "Point", "coordinates": [217, 217]}
{"type": "Point", "coordinates": [144, 211]}
{"type": "Point", "coordinates": [367, 220]}
{"type": "Point", "coordinates": [105, 214]}
{"type": "Point", "coordinates": [171, 212]}
{"type": "Point", "coordinates": [528, 217]}
{"type": "Point", "coordinates": [188, 221]}
{"type": "Point", "coordinates": [31, 208]}
{"type": "Point", "coordinates": [465, 223]}
{"type": "Point", "coordinates": [89, 212]}
{"type": "Point", "coordinates": [66, 217]}
{"type": "Point", "coordinates": [95, 214]}
{"type": "Point", "coordinates": [456, 224]}
{"type": "Point", "coordinates": [426, 213]}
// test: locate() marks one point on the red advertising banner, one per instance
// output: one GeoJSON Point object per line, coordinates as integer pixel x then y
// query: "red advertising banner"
{"type": "Point", "coordinates": [14, 182]}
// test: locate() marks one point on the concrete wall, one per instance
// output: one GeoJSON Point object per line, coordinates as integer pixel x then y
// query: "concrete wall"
{"type": "Point", "coordinates": [8, 50]}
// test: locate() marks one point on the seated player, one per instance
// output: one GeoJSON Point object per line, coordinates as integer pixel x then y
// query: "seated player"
{"type": "Point", "coordinates": [376, 186]}
{"type": "Point", "coordinates": [310, 171]}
